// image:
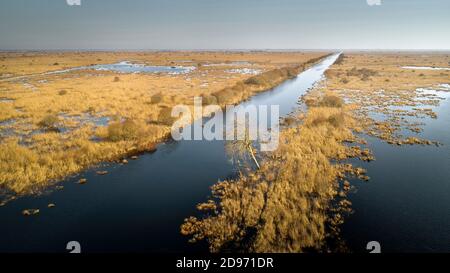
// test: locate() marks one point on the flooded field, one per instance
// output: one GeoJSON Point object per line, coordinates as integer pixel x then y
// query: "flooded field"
{"type": "Point", "coordinates": [406, 114]}
{"type": "Point", "coordinates": [405, 204]}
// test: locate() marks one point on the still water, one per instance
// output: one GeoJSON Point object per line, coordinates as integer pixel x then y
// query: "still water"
{"type": "Point", "coordinates": [120, 67]}
{"type": "Point", "coordinates": [406, 204]}
{"type": "Point", "coordinates": [128, 67]}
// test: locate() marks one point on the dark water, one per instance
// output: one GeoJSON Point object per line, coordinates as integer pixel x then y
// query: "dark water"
{"type": "Point", "coordinates": [136, 207]}
{"type": "Point", "coordinates": [406, 204]}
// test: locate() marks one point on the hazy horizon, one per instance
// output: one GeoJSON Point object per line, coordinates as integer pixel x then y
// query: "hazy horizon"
{"type": "Point", "coordinates": [139, 25]}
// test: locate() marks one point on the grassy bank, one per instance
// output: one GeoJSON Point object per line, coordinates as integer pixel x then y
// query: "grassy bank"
{"type": "Point", "coordinates": [259, 83]}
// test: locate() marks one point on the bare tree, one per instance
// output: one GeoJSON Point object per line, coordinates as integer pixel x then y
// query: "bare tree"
{"type": "Point", "coordinates": [242, 147]}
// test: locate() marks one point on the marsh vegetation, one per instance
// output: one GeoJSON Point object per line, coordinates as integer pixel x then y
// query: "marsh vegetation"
{"type": "Point", "coordinates": [70, 121]}
{"type": "Point", "coordinates": [297, 200]}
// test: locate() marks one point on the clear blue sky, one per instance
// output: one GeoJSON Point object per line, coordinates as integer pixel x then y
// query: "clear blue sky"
{"type": "Point", "coordinates": [225, 24]}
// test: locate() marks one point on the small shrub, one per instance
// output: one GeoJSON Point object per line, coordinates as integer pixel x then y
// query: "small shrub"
{"type": "Point", "coordinates": [363, 73]}
{"type": "Point", "coordinates": [331, 101]}
{"type": "Point", "coordinates": [91, 109]}
{"type": "Point", "coordinates": [272, 75]}
{"type": "Point", "coordinates": [254, 81]}
{"type": "Point", "coordinates": [126, 130]}
{"type": "Point", "coordinates": [225, 95]}
{"type": "Point", "coordinates": [209, 100]}
{"type": "Point", "coordinates": [165, 116]}
{"type": "Point", "coordinates": [291, 72]}
{"type": "Point", "coordinates": [49, 123]}
{"type": "Point", "coordinates": [62, 92]}
{"type": "Point", "coordinates": [116, 79]}
{"type": "Point", "coordinates": [337, 120]}
{"type": "Point", "coordinates": [344, 80]}
{"type": "Point", "coordinates": [310, 102]}
{"type": "Point", "coordinates": [156, 98]}
{"type": "Point", "coordinates": [318, 120]}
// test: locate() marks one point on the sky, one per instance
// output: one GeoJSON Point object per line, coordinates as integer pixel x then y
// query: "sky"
{"type": "Point", "coordinates": [224, 24]}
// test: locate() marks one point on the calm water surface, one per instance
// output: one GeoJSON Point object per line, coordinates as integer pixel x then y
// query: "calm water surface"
{"type": "Point", "coordinates": [406, 204]}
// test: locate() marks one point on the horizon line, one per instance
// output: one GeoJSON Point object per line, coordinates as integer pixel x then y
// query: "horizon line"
{"type": "Point", "coordinates": [219, 49]}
